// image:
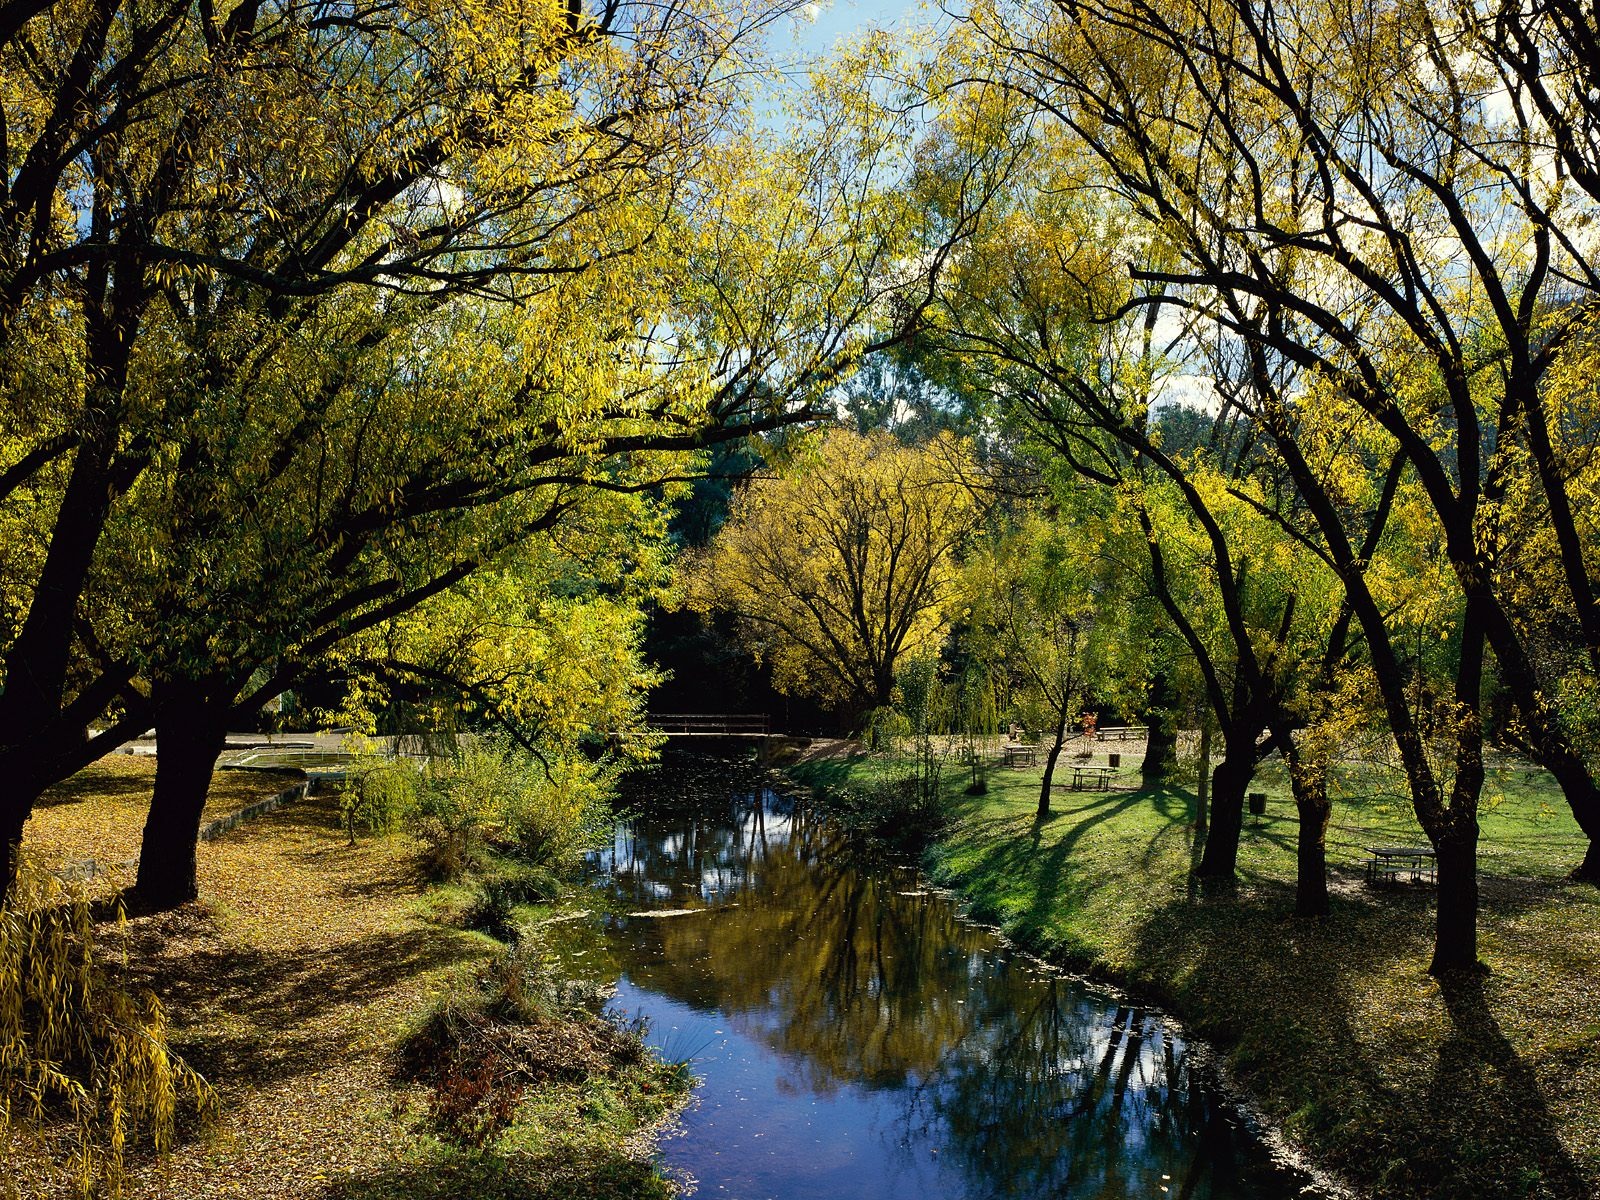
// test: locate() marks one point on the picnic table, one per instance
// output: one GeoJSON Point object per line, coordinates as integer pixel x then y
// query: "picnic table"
{"type": "Point", "coordinates": [1093, 779]}
{"type": "Point", "coordinates": [1390, 862]}
{"type": "Point", "coordinates": [1020, 753]}
{"type": "Point", "coordinates": [1120, 733]}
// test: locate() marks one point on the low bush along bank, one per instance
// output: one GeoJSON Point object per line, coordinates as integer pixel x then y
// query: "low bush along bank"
{"type": "Point", "coordinates": [363, 1040]}
{"type": "Point", "coordinates": [1486, 1089]}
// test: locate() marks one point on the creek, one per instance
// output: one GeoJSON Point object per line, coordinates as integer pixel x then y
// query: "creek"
{"type": "Point", "coordinates": [854, 1037]}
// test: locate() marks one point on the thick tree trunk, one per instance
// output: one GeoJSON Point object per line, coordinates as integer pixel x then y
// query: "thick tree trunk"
{"type": "Point", "coordinates": [1589, 869]}
{"type": "Point", "coordinates": [1309, 782]}
{"type": "Point", "coordinates": [1455, 946]}
{"type": "Point", "coordinates": [1311, 851]}
{"type": "Point", "coordinates": [189, 737]}
{"type": "Point", "coordinates": [1050, 762]}
{"type": "Point", "coordinates": [1455, 840]}
{"type": "Point", "coordinates": [1228, 784]}
{"type": "Point", "coordinates": [35, 714]}
{"type": "Point", "coordinates": [12, 819]}
{"type": "Point", "coordinates": [1161, 746]}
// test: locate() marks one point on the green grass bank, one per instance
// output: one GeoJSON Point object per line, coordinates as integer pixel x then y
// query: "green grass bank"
{"type": "Point", "coordinates": [1482, 1090]}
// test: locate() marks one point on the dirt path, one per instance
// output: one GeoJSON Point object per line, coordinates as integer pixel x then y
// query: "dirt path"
{"type": "Point", "coordinates": [289, 995]}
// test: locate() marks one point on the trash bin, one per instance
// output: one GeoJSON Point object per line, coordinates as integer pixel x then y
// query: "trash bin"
{"type": "Point", "coordinates": [1258, 803]}
{"type": "Point", "coordinates": [1114, 759]}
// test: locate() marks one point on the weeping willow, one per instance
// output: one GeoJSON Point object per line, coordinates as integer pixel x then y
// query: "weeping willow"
{"type": "Point", "coordinates": [86, 1073]}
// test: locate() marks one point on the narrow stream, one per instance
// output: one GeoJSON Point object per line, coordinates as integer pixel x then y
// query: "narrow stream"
{"type": "Point", "coordinates": [854, 1038]}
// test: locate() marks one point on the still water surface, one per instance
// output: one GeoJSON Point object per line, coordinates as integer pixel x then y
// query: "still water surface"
{"type": "Point", "coordinates": [854, 1038]}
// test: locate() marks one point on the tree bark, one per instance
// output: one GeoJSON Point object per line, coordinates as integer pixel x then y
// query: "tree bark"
{"type": "Point", "coordinates": [1309, 781]}
{"type": "Point", "coordinates": [1228, 784]}
{"type": "Point", "coordinates": [1050, 761]}
{"type": "Point", "coordinates": [1455, 946]}
{"type": "Point", "coordinates": [27, 770]}
{"type": "Point", "coordinates": [12, 819]}
{"type": "Point", "coordinates": [1161, 745]}
{"type": "Point", "coordinates": [1202, 789]}
{"type": "Point", "coordinates": [1589, 869]}
{"type": "Point", "coordinates": [1311, 849]}
{"type": "Point", "coordinates": [190, 733]}
{"type": "Point", "coordinates": [1455, 941]}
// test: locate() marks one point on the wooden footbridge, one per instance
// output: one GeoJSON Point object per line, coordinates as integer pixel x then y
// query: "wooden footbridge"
{"type": "Point", "coordinates": [718, 725]}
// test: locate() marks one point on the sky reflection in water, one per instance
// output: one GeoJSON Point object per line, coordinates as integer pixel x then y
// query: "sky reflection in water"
{"type": "Point", "coordinates": [855, 1039]}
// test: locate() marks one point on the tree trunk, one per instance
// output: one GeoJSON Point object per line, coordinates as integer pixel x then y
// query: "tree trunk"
{"type": "Point", "coordinates": [1228, 784]}
{"type": "Point", "coordinates": [1309, 781]}
{"type": "Point", "coordinates": [1589, 869]}
{"type": "Point", "coordinates": [1311, 851]}
{"type": "Point", "coordinates": [55, 754]}
{"type": "Point", "coordinates": [189, 736]}
{"type": "Point", "coordinates": [1455, 843]}
{"type": "Point", "coordinates": [1583, 798]}
{"type": "Point", "coordinates": [1202, 788]}
{"type": "Point", "coordinates": [12, 818]}
{"type": "Point", "coordinates": [1050, 762]}
{"type": "Point", "coordinates": [1455, 946]}
{"type": "Point", "coordinates": [1161, 746]}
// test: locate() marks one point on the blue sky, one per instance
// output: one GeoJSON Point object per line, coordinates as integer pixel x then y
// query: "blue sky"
{"type": "Point", "coordinates": [840, 17]}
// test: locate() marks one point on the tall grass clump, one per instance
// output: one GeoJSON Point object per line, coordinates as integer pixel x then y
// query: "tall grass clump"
{"type": "Point", "coordinates": [86, 1072]}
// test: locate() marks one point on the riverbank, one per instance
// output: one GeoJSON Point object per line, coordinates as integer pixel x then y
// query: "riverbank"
{"type": "Point", "coordinates": [1484, 1090]}
{"type": "Point", "coordinates": [294, 982]}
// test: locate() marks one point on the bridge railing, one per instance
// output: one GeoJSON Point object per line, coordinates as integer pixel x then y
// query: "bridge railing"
{"type": "Point", "coordinates": [731, 724]}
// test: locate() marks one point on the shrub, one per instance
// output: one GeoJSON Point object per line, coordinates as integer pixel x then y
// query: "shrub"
{"type": "Point", "coordinates": [491, 794]}
{"type": "Point", "coordinates": [901, 812]}
{"type": "Point", "coordinates": [379, 800]}
{"type": "Point", "coordinates": [882, 727]}
{"type": "Point", "coordinates": [85, 1069]}
{"type": "Point", "coordinates": [494, 907]}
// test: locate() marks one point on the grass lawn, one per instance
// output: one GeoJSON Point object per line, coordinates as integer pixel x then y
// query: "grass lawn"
{"type": "Point", "coordinates": [1482, 1090]}
{"type": "Point", "coordinates": [290, 985]}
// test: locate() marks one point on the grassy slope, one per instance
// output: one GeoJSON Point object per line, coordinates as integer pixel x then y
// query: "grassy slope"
{"type": "Point", "coordinates": [289, 986]}
{"type": "Point", "coordinates": [1409, 1090]}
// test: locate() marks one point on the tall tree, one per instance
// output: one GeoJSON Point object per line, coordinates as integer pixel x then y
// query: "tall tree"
{"type": "Point", "coordinates": [842, 567]}
{"type": "Point", "coordinates": [373, 296]}
{"type": "Point", "coordinates": [1034, 609]}
{"type": "Point", "coordinates": [1369, 224]}
{"type": "Point", "coordinates": [1445, 319]}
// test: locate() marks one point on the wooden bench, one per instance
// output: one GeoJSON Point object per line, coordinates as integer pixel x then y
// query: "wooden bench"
{"type": "Point", "coordinates": [1121, 733]}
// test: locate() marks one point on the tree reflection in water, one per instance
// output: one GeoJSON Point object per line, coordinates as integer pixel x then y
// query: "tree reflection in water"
{"type": "Point", "coordinates": [1012, 1080]}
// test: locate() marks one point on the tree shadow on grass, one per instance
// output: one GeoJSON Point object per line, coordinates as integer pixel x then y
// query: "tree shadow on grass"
{"type": "Point", "coordinates": [1421, 1103]}
{"type": "Point", "coordinates": [1492, 1123]}
{"type": "Point", "coordinates": [1047, 871]}
{"type": "Point", "coordinates": [825, 773]}
{"type": "Point", "coordinates": [253, 1018]}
